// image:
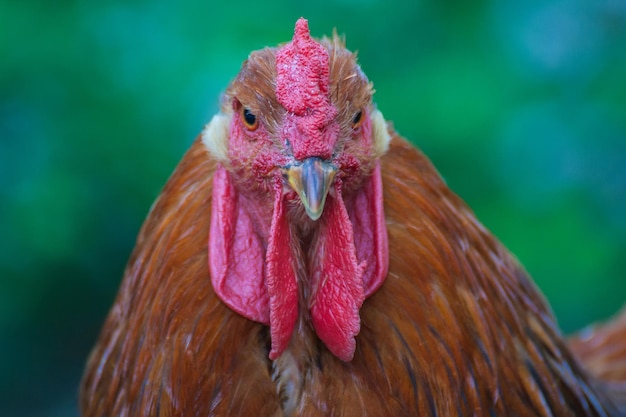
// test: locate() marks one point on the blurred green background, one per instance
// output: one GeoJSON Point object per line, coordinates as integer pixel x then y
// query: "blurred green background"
{"type": "Point", "coordinates": [521, 105]}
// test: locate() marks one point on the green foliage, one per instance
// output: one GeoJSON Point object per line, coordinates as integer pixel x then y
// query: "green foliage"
{"type": "Point", "coordinates": [520, 104]}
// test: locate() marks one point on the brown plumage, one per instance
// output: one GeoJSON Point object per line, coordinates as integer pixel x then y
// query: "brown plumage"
{"type": "Point", "coordinates": [457, 328]}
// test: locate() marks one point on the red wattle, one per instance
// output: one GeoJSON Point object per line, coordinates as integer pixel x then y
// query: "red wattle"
{"type": "Point", "coordinates": [281, 283]}
{"type": "Point", "coordinates": [367, 216]}
{"type": "Point", "coordinates": [348, 261]}
{"type": "Point", "coordinates": [337, 279]}
{"type": "Point", "coordinates": [236, 251]}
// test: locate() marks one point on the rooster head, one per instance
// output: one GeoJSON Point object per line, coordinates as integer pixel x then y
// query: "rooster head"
{"type": "Point", "coordinates": [297, 225]}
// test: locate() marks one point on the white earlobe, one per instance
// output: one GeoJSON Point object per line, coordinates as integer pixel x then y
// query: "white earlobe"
{"type": "Point", "coordinates": [215, 136]}
{"type": "Point", "coordinates": [380, 134]}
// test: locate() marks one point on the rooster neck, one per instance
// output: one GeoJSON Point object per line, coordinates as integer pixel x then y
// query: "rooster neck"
{"type": "Point", "coordinates": [290, 370]}
{"type": "Point", "coordinates": [299, 366]}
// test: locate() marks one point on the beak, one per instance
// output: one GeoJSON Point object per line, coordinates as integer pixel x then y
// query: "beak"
{"type": "Point", "coordinates": [311, 180]}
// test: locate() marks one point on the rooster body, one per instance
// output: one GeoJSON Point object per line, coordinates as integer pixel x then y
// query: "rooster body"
{"type": "Point", "coordinates": [448, 323]}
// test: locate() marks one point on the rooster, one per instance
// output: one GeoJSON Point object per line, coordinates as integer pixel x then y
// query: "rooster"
{"type": "Point", "coordinates": [305, 260]}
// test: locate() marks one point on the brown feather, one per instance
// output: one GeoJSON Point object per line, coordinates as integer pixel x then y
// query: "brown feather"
{"type": "Point", "coordinates": [602, 349]}
{"type": "Point", "coordinates": [457, 328]}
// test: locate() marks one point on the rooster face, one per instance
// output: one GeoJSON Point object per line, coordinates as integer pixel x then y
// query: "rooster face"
{"type": "Point", "coordinates": [298, 142]}
{"type": "Point", "coordinates": [297, 126]}
{"type": "Point", "coordinates": [281, 150]}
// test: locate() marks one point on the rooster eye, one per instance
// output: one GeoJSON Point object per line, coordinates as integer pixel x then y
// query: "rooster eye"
{"type": "Point", "coordinates": [249, 119]}
{"type": "Point", "coordinates": [357, 120]}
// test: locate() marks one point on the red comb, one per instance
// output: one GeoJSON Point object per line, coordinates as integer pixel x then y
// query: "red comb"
{"type": "Point", "coordinates": [302, 85]}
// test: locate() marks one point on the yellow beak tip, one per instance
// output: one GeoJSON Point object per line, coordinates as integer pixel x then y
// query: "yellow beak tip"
{"type": "Point", "coordinates": [311, 180]}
